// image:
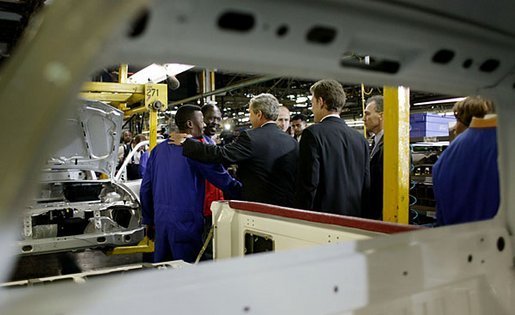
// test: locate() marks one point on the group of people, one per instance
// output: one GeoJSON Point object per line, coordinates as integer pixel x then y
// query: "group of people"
{"type": "Point", "coordinates": [326, 167]}
{"type": "Point", "coordinates": [327, 170]}
{"type": "Point", "coordinates": [465, 176]}
{"type": "Point", "coordinates": [293, 125]}
{"type": "Point", "coordinates": [137, 165]}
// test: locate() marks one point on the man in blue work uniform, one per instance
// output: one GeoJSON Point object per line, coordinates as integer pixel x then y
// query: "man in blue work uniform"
{"type": "Point", "coordinates": [172, 192]}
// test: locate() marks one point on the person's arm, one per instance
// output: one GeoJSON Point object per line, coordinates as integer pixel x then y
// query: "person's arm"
{"type": "Point", "coordinates": [145, 193]}
{"type": "Point", "coordinates": [308, 171]}
{"type": "Point", "coordinates": [217, 175]}
{"type": "Point", "coordinates": [235, 152]}
{"type": "Point", "coordinates": [143, 163]}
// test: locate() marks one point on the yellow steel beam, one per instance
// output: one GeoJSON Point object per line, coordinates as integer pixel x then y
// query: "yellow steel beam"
{"type": "Point", "coordinates": [156, 99]}
{"type": "Point", "coordinates": [152, 125]}
{"type": "Point", "coordinates": [113, 87]}
{"type": "Point", "coordinates": [153, 96]}
{"type": "Point", "coordinates": [123, 72]}
{"type": "Point", "coordinates": [144, 246]}
{"type": "Point", "coordinates": [212, 80]}
{"type": "Point", "coordinates": [396, 155]}
{"type": "Point", "coordinates": [136, 110]}
{"type": "Point", "coordinates": [106, 96]}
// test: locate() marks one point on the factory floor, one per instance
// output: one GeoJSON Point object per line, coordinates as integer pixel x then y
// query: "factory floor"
{"type": "Point", "coordinates": [39, 266]}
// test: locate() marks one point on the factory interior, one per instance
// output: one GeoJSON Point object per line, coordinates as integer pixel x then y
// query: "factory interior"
{"type": "Point", "coordinates": [384, 178]}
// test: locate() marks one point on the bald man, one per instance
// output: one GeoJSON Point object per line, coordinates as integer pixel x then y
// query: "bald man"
{"type": "Point", "coordinates": [283, 119]}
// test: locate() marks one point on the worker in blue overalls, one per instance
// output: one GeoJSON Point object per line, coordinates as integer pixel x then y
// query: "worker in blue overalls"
{"type": "Point", "coordinates": [172, 192]}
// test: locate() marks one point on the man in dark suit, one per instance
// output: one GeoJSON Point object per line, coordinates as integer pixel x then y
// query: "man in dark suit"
{"type": "Point", "coordinates": [265, 155]}
{"type": "Point", "coordinates": [333, 174]}
{"type": "Point", "coordinates": [374, 123]}
{"type": "Point", "coordinates": [298, 123]}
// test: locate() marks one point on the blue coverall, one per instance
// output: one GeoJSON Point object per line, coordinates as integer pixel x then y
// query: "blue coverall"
{"type": "Point", "coordinates": [172, 196]}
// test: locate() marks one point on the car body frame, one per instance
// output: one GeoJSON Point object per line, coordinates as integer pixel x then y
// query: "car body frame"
{"type": "Point", "coordinates": [74, 209]}
{"type": "Point", "coordinates": [462, 269]}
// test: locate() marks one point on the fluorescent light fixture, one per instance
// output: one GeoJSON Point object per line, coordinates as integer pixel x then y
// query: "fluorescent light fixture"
{"type": "Point", "coordinates": [447, 100]}
{"type": "Point", "coordinates": [157, 73]}
{"type": "Point", "coordinates": [301, 105]}
{"type": "Point", "coordinates": [355, 123]}
{"type": "Point", "coordinates": [301, 99]}
{"type": "Point", "coordinates": [176, 68]}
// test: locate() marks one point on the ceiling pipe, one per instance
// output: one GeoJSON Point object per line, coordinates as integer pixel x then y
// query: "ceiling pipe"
{"type": "Point", "coordinates": [223, 90]}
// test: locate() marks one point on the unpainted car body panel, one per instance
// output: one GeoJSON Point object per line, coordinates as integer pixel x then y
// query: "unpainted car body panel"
{"type": "Point", "coordinates": [463, 269]}
{"type": "Point", "coordinates": [73, 210]}
{"type": "Point", "coordinates": [89, 140]}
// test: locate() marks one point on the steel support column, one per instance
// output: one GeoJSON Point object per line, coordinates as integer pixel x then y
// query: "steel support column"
{"type": "Point", "coordinates": [209, 85]}
{"type": "Point", "coordinates": [123, 71]}
{"type": "Point", "coordinates": [396, 155]}
{"type": "Point", "coordinates": [156, 100]}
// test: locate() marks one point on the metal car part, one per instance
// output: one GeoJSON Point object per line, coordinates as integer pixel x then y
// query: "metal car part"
{"type": "Point", "coordinates": [89, 139]}
{"type": "Point", "coordinates": [73, 210]}
{"type": "Point", "coordinates": [121, 174]}
{"type": "Point", "coordinates": [459, 269]}
{"type": "Point", "coordinates": [54, 224]}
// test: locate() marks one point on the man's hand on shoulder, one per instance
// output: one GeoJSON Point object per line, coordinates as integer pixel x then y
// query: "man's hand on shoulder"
{"type": "Point", "coordinates": [178, 138]}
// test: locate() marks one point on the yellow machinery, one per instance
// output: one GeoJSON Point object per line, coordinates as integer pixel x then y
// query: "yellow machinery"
{"type": "Point", "coordinates": [131, 99]}
{"type": "Point", "coordinates": [121, 95]}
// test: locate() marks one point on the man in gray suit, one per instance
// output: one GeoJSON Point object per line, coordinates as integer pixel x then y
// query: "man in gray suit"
{"type": "Point", "coordinates": [374, 123]}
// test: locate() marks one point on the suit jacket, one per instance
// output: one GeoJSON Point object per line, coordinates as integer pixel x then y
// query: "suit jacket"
{"type": "Point", "coordinates": [266, 158]}
{"type": "Point", "coordinates": [375, 209]}
{"type": "Point", "coordinates": [334, 169]}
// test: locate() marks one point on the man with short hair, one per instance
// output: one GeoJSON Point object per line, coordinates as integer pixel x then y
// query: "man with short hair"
{"type": "Point", "coordinates": [135, 168]}
{"type": "Point", "coordinates": [265, 155]}
{"type": "Point", "coordinates": [172, 192]}
{"type": "Point", "coordinates": [212, 119]}
{"type": "Point", "coordinates": [373, 120]}
{"type": "Point", "coordinates": [298, 123]}
{"type": "Point", "coordinates": [333, 174]}
{"type": "Point", "coordinates": [126, 137]}
{"type": "Point", "coordinates": [125, 147]}
{"type": "Point", "coordinates": [283, 118]}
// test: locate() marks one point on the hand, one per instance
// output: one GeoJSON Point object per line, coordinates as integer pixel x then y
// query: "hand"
{"type": "Point", "coordinates": [178, 138]}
